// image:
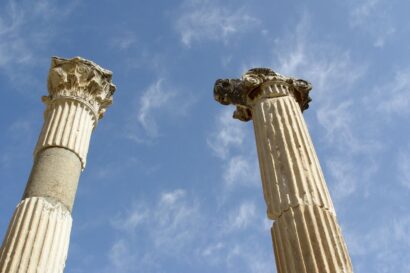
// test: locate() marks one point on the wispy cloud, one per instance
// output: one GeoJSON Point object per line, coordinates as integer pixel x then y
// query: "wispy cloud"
{"type": "Point", "coordinates": [152, 100]}
{"type": "Point", "coordinates": [372, 17]}
{"type": "Point", "coordinates": [24, 28]}
{"type": "Point", "coordinates": [210, 20]}
{"type": "Point", "coordinates": [244, 216]}
{"type": "Point", "coordinates": [241, 171]}
{"type": "Point", "coordinates": [177, 226]}
{"type": "Point", "coordinates": [393, 97]}
{"type": "Point", "coordinates": [381, 248]}
{"type": "Point", "coordinates": [176, 221]}
{"type": "Point", "coordinates": [229, 133]}
{"type": "Point", "coordinates": [336, 103]}
{"type": "Point", "coordinates": [157, 104]}
{"type": "Point", "coordinates": [124, 40]}
{"type": "Point", "coordinates": [13, 46]}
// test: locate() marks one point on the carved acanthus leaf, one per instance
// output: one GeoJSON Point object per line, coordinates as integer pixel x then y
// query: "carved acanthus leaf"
{"type": "Point", "coordinates": [243, 92]}
{"type": "Point", "coordinates": [80, 79]}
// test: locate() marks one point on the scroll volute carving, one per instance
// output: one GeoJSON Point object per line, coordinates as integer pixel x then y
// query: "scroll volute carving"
{"type": "Point", "coordinates": [244, 91]}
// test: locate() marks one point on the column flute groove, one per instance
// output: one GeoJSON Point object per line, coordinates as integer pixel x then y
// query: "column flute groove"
{"type": "Point", "coordinates": [305, 233]}
{"type": "Point", "coordinates": [69, 128]}
{"type": "Point", "coordinates": [37, 239]}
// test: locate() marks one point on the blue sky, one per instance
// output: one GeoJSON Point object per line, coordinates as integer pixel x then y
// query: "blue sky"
{"type": "Point", "coordinates": [172, 181]}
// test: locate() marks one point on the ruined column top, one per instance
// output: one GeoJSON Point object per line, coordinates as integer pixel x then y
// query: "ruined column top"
{"type": "Point", "coordinates": [259, 83]}
{"type": "Point", "coordinates": [81, 80]}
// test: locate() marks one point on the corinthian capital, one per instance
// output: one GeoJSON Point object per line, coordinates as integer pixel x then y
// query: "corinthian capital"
{"type": "Point", "coordinates": [81, 80]}
{"type": "Point", "coordinates": [259, 83]}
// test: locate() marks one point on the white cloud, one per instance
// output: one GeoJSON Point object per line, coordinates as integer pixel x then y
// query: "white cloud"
{"type": "Point", "coordinates": [124, 40]}
{"type": "Point", "coordinates": [373, 18]}
{"type": "Point", "coordinates": [211, 249]}
{"type": "Point", "coordinates": [241, 218]}
{"type": "Point", "coordinates": [152, 100]}
{"type": "Point", "coordinates": [325, 65]}
{"type": "Point", "coordinates": [13, 47]}
{"type": "Point", "coordinates": [362, 11]}
{"type": "Point", "coordinates": [158, 104]}
{"type": "Point", "coordinates": [381, 248]}
{"type": "Point", "coordinates": [121, 257]}
{"type": "Point", "coordinates": [208, 20]}
{"type": "Point", "coordinates": [229, 133]}
{"type": "Point", "coordinates": [169, 198]}
{"type": "Point", "coordinates": [25, 31]}
{"type": "Point", "coordinates": [133, 219]}
{"type": "Point", "coordinates": [176, 226]}
{"type": "Point", "coordinates": [170, 225]}
{"type": "Point", "coordinates": [336, 103]}
{"type": "Point", "coordinates": [343, 173]}
{"type": "Point", "coordinates": [251, 257]}
{"type": "Point", "coordinates": [394, 97]}
{"type": "Point", "coordinates": [241, 171]}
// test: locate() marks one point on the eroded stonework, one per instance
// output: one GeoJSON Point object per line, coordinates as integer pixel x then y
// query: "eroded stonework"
{"type": "Point", "coordinates": [39, 233]}
{"type": "Point", "coordinates": [83, 80]}
{"type": "Point", "coordinates": [245, 91]}
{"type": "Point", "coordinates": [305, 233]}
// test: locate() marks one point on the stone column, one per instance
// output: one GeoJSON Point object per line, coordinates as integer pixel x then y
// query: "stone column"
{"type": "Point", "coordinates": [305, 232]}
{"type": "Point", "coordinates": [39, 232]}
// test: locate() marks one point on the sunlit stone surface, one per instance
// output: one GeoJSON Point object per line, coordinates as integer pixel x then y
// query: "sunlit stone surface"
{"type": "Point", "coordinates": [305, 233]}
{"type": "Point", "coordinates": [38, 235]}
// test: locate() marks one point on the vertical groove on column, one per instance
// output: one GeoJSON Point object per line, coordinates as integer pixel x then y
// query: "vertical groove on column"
{"type": "Point", "coordinates": [33, 243]}
{"type": "Point", "coordinates": [280, 255]}
{"type": "Point", "coordinates": [308, 239]}
{"type": "Point", "coordinates": [306, 236]}
{"type": "Point", "coordinates": [291, 174]}
{"type": "Point", "coordinates": [68, 124]}
{"type": "Point", "coordinates": [310, 152]}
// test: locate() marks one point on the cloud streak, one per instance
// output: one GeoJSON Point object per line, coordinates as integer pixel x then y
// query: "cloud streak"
{"type": "Point", "coordinates": [373, 18]}
{"type": "Point", "coordinates": [204, 20]}
{"type": "Point", "coordinates": [178, 227]}
{"type": "Point", "coordinates": [157, 105]}
{"type": "Point", "coordinates": [229, 134]}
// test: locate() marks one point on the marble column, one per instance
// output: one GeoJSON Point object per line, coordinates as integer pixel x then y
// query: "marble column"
{"type": "Point", "coordinates": [305, 233]}
{"type": "Point", "coordinates": [39, 232]}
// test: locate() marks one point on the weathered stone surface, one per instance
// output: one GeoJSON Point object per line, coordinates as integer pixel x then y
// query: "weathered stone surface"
{"type": "Point", "coordinates": [55, 175]}
{"type": "Point", "coordinates": [38, 236]}
{"type": "Point", "coordinates": [290, 171]}
{"type": "Point", "coordinates": [37, 239]}
{"type": "Point", "coordinates": [68, 124]}
{"type": "Point", "coordinates": [306, 235]}
{"type": "Point", "coordinates": [245, 91]}
{"type": "Point", "coordinates": [79, 93]}
{"type": "Point", "coordinates": [82, 80]}
{"type": "Point", "coordinates": [307, 239]}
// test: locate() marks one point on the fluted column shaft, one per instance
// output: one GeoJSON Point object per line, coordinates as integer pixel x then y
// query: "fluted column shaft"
{"type": "Point", "coordinates": [38, 236]}
{"type": "Point", "coordinates": [305, 232]}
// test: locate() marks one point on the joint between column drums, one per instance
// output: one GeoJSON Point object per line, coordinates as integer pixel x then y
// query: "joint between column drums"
{"type": "Point", "coordinates": [303, 205]}
{"type": "Point", "coordinates": [53, 202]}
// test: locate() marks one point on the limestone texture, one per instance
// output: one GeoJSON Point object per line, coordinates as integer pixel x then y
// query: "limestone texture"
{"type": "Point", "coordinates": [305, 233]}
{"type": "Point", "coordinates": [55, 175]}
{"type": "Point", "coordinates": [37, 240]}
